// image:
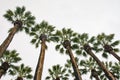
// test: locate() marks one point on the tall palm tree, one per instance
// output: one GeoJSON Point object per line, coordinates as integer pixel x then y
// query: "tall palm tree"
{"type": "Point", "coordinates": [57, 73]}
{"type": "Point", "coordinates": [22, 72]}
{"type": "Point", "coordinates": [84, 43]}
{"type": "Point", "coordinates": [21, 20]}
{"type": "Point", "coordinates": [65, 39]}
{"type": "Point", "coordinates": [106, 44]}
{"type": "Point", "coordinates": [8, 61]}
{"type": "Point", "coordinates": [42, 33]}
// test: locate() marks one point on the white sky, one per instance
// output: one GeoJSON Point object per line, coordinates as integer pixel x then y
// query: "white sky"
{"type": "Point", "coordinates": [90, 16]}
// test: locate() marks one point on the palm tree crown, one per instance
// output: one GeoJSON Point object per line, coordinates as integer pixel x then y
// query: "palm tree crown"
{"type": "Point", "coordinates": [8, 61]}
{"type": "Point", "coordinates": [81, 40]}
{"type": "Point", "coordinates": [42, 31]}
{"type": "Point", "coordinates": [106, 44]}
{"type": "Point", "coordinates": [65, 37]}
{"type": "Point", "coordinates": [21, 17]}
{"type": "Point", "coordinates": [57, 73]}
{"type": "Point", "coordinates": [22, 72]}
{"type": "Point", "coordinates": [22, 21]}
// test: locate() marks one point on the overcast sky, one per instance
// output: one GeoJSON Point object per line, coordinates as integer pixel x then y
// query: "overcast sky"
{"type": "Point", "coordinates": [89, 16]}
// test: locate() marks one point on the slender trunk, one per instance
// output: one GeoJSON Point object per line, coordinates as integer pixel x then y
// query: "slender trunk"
{"type": "Point", "coordinates": [75, 67]}
{"type": "Point", "coordinates": [39, 68]}
{"type": "Point", "coordinates": [109, 49]}
{"type": "Point", "coordinates": [7, 41]}
{"type": "Point", "coordinates": [87, 48]}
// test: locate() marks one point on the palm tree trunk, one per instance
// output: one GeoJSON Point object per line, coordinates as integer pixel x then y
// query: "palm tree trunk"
{"type": "Point", "coordinates": [109, 49]}
{"type": "Point", "coordinates": [87, 48]}
{"type": "Point", "coordinates": [7, 41]}
{"type": "Point", "coordinates": [75, 67]}
{"type": "Point", "coordinates": [115, 55]}
{"type": "Point", "coordinates": [39, 68]}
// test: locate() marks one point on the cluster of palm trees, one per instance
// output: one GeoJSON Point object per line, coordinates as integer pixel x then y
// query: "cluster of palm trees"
{"type": "Point", "coordinates": [9, 66]}
{"type": "Point", "coordinates": [67, 41]}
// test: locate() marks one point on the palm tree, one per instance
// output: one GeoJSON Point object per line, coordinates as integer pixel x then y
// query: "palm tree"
{"type": "Point", "coordinates": [57, 73]}
{"type": "Point", "coordinates": [21, 20]}
{"type": "Point", "coordinates": [85, 43]}
{"type": "Point", "coordinates": [105, 43]}
{"type": "Point", "coordinates": [8, 60]}
{"type": "Point", "coordinates": [22, 72]}
{"type": "Point", "coordinates": [65, 39]}
{"type": "Point", "coordinates": [90, 66]}
{"type": "Point", "coordinates": [42, 33]}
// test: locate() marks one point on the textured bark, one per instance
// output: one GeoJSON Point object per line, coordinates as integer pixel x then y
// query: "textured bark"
{"type": "Point", "coordinates": [39, 68]}
{"type": "Point", "coordinates": [75, 67]}
{"type": "Point", "coordinates": [87, 48]}
{"type": "Point", "coordinates": [109, 49]}
{"type": "Point", "coordinates": [7, 41]}
{"type": "Point", "coordinates": [67, 45]}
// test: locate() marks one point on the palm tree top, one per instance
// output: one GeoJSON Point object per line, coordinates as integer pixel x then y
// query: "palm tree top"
{"type": "Point", "coordinates": [64, 38]}
{"type": "Point", "coordinates": [80, 41]}
{"type": "Point", "coordinates": [21, 17]}
{"type": "Point", "coordinates": [43, 28]}
{"type": "Point", "coordinates": [57, 71]}
{"type": "Point", "coordinates": [42, 31]}
{"type": "Point", "coordinates": [106, 41]}
{"type": "Point", "coordinates": [65, 34]}
{"type": "Point", "coordinates": [88, 63]}
{"type": "Point", "coordinates": [22, 71]}
{"type": "Point", "coordinates": [83, 39]}
{"type": "Point", "coordinates": [10, 57]}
